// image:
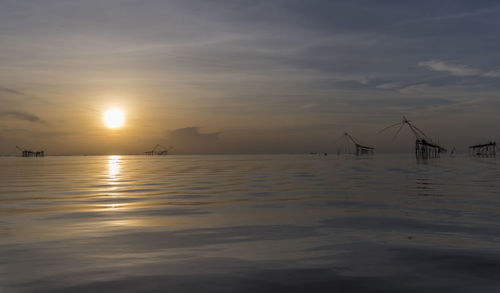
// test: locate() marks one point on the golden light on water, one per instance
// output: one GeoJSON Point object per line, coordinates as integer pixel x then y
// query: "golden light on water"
{"type": "Point", "coordinates": [113, 166]}
{"type": "Point", "coordinates": [114, 118]}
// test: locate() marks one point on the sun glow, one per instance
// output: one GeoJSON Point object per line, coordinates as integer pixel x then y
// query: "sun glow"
{"type": "Point", "coordinates": [114, 118]}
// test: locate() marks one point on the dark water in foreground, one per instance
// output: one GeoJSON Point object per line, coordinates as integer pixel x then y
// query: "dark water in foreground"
{"type": "Point", "coordinates": [249, 224]}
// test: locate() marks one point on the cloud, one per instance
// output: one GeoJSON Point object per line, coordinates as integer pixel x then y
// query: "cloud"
{"type": "Point", "coordinates": [310, 105]}
{"type": "Point", "coordinates": [409, 103]}
{"type": "Point", "coordinates": [11, 91]}
{"type": "Point", "coordinates": [453, 69]}
{"type": "Point", "coordinates": [192, 135]}
{"type": "Point", "coordinates": [415, 89]}
{"type": "Point", "coordinates": [15, 131]}
{"type": "Point", "coordinates": [16, 95]}
{"type": "Point", "coordinates": [495, 73]}
{"type": "Point", "coordinates": [457, 70]}
{"type": "Point", "coordinates": [22, 116]}
{"type": "Point", "coordinates": [190, 140]}
{"type": "Point", "coordinates": [387, 86]}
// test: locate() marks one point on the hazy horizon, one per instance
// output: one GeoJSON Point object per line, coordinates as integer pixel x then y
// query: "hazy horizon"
{"type": "Point", "coordinates": [235, 77]}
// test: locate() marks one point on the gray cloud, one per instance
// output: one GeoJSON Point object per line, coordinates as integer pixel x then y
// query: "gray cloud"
{"type": "Point", "coordinates": [190, 140]}
{"type": "Point", "coordinates": [453, 69]}
{"type": "Point", "coordinates": [11, 91]}
{"type": "Point", "coordinates": [495, 73]}
{"type": "Point", "coordinates": [15, 131]}
{"type": "Point", "coordinates": [388, 86]}
{"type": "Point", "coordinates": [456, 69]}
{"type": "Point", "coordinates": [192, 135]}
{"type": "Point", "coordinates": [409, 103]}
{"type": "Point", "coordinates": [22, 116]}
{"type": "Point", "coordinates": [414, 89]}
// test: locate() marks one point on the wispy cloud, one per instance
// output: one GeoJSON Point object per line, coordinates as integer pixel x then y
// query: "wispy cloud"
{"type": "Point", "coordinates": [11, 91]}
{"type": "Point", "coordinates": [14, 94]}
{"type": "Point", "coordinates": [309, 106]}
{"type": "Point", "coordinates": [453, 69]}
{"type": "Point", "coordinates": [388, 86]}
{"type": "Point", "coordinates": [22, 116]}
{"type": "Point", "coordinates": [495, 73]}
{"type": "Point", "coordinates": [457, 69]}
{"type": "Point", "coordinates": [415, 89]}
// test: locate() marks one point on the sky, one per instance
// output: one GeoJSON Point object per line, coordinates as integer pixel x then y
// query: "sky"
{"type": "Point", "coordinates": [209, 76]}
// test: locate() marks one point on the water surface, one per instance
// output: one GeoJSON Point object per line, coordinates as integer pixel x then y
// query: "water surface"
{"type": "Point", "coordinates": [283, 223]}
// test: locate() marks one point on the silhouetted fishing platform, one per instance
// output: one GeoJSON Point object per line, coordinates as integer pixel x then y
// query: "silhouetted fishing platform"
{"type": "Point", "coordinates": [163, 151]}
{"type": "Point", "coordinates": [359, 148]}
{"type": "Point", "coordinates": [364, 150]}
{"type": "Point", "coordinates": [483, 150]}
{"type": "Point", "coordinates": [27, 153]}
{"type": "Point", "coordinates": [425, 148]}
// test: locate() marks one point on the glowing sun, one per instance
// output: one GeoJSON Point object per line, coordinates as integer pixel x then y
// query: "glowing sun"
{"type": "Point", "coordinates": [114, 118]}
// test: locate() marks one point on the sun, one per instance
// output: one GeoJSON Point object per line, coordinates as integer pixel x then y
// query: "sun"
{"type": "Point", "coordinates": [114, 118]}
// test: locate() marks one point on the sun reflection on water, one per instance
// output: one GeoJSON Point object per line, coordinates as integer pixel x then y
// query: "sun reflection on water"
{"type": "Point", "coordinates": [113, 181]}
{"type": "Point", "coordinates": [112, 205]}
{"type": "Point", "coordinates": [113, 168]}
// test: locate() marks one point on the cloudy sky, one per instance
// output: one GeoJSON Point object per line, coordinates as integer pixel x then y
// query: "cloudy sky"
{"type": "Point", "coordinates": [246, 76]}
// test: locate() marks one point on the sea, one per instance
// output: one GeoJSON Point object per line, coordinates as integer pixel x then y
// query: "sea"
{"type": "Point", "coordinates": [249, 223]}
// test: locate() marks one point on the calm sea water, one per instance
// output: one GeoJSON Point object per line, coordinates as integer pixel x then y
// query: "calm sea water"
{"type": "Point", "coordinates": [285, 223]}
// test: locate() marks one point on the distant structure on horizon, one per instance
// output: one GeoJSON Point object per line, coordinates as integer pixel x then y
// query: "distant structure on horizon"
{"type": "Point", "coordinates": [425, 148]}
{"type": "Point", "coordinates": [162, 152]}
{"type": "Point", "coordinates": [27, 153]}
{"type": "Point", "coordinates": [483, 150]}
